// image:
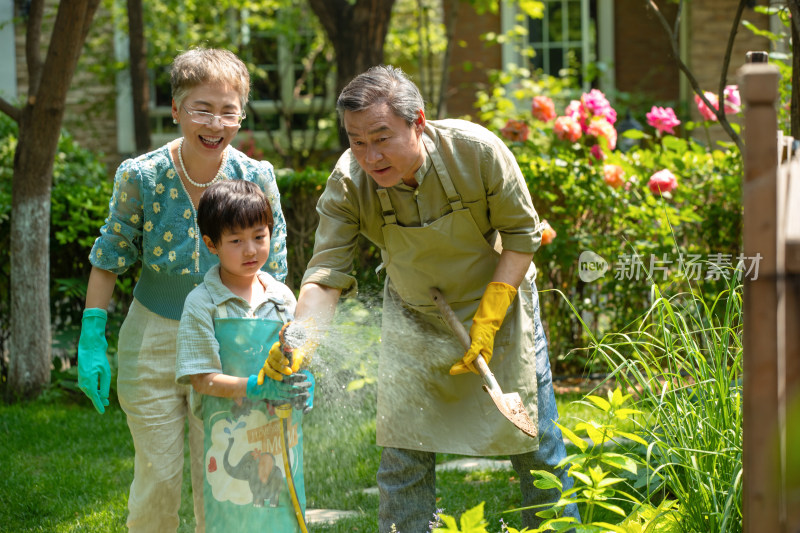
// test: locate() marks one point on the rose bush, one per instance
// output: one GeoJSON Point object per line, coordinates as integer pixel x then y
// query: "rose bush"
{"type": "Point", "coordinates": [646, 211]}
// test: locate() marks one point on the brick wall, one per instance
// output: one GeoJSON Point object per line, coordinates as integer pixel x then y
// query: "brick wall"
{"type": "Point", "coordinates": [710, 26]}
{"type": "Point", "coordinates": [644, 61]}
{"type": "Point", "coordinates": [471, 59]}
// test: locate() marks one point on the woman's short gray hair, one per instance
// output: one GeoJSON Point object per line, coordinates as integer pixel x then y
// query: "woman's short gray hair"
{"type": "Point", "coordinates": [199, 66]}
{"type": "Point", "coordinates": [383, 83]}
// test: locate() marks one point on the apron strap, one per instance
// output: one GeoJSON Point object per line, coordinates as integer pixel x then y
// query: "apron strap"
{"type": "Point", "coordinates": [222, 311]}
{"type": "Point", "coordinates": [387, 210]}
{"type": "Point", "coordinates": [453, 198]}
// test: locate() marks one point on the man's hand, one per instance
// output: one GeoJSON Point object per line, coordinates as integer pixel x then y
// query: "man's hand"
{"type": "Point", "coordinates": [94, 372]}
{"type": "Point", "coordinates": [278, 363]}
{"type": "Point", "coordinates": [487, 320]}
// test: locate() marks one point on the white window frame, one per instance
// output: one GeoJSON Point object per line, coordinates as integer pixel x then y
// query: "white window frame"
{"type": "Point", "coordinates": [605, 41]}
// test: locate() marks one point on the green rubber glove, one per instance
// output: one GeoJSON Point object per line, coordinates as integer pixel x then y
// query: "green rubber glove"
{"type": "Point", "coordinates": [94, 372]}
{"type": "Point", "coordinates": [295, 389]}
{"type": "Point", "coordinates": [487, 320]}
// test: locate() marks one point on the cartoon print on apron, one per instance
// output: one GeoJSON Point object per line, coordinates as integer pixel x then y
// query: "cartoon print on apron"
{"type": "Point", "coordinates": [420, 405]}
{"type": "Point", "coordinates": [245, 486]}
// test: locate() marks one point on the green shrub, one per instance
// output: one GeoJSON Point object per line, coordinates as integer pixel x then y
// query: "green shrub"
{"type": "Point", "coordinates": [597, 198]}
{"type": "Point", "coordinates": [80, 193]}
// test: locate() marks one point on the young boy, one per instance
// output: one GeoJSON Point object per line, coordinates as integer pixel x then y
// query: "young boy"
{"type": "Point", "coordinates": [227, 326]}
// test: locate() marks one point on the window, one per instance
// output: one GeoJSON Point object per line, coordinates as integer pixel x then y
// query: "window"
{"type": "Point", "coordinates": [572, 38]}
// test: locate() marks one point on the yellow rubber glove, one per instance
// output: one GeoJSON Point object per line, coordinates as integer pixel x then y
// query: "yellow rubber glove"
{"type": "Point", "coordinates": [277, 363]}
{"type": "Point", "coordinates": [487, 320]}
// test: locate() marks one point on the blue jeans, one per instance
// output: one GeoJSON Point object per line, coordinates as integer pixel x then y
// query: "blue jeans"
{"type": "Point", "coordinates": [407, 478]}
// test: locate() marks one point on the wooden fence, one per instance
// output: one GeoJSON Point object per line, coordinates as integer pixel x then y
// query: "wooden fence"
{"type": "Point", "coordinates": [771, 397]}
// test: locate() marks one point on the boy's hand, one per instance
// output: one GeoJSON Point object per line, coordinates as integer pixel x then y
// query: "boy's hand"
{"type": "Point", "coordinates": [296, 389]}
{"type": "Point", "coordinates": [94, 372]}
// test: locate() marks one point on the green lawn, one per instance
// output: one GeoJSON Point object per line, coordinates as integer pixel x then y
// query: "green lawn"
{"type": "Point", "coordinates": [65, 468]}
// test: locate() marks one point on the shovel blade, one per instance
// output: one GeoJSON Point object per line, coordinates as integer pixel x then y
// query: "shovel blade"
{"type": "Point", "coordinates": [510, 406]}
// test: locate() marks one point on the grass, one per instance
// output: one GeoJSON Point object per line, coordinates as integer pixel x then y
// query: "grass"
{"type": "Point", "coordinates": [64, 468]}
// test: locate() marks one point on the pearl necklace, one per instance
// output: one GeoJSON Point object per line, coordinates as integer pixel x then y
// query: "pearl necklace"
{"type": "Point", "coordinates": [186, 174]}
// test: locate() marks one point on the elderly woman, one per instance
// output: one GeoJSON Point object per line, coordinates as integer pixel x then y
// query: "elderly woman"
{"type": "Point", "coordinates": [153, 218]}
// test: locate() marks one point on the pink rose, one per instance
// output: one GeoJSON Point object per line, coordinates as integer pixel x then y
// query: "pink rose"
{"type": "Point", "coordinates": [663, 119]}
{"type": "Point", "coordinates": [548, 233]}
{"type": "Point", "coordinates": [515, 131]}
{"type": "Point", "coordinates": [614, 176]}
{"type": "Point", "coordinates": [576, 111]}
{"type": "Point", "coordinates": [543, 108]}
{"type": "Point", "coordinates": [733, 102]}
{"type": "Point", "coordinates": [600, 127]}
{"type": "Point", "coordinates": [598, 105]}
{"type": "Point", "coordinates": [567, 129]}
{"type": "Point", "coordinates": [662, 182]}
{"type": "Point", "coordinates": [705, 112]}
{"type": "Point", "coordinates": [597, 152]}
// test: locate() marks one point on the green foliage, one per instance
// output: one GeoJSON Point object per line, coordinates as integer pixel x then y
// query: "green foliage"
{"type": "Point", "coordinates": [781, 60]}
{"type": "Point", "coordinates": [684, 360]}
{"type": "Point", "coordinates": [80, 194]}
{"type": "Point", "coordinates": [643, 237]}
{"type": "Point", "coordinates": [471, 522]}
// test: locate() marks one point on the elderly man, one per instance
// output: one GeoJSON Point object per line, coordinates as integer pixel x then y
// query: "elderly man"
{"type": "Point", "coordinates": [448, 207]}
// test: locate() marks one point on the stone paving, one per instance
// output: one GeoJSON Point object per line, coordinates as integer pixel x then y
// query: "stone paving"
{"type": "Point", "coordinates": [322, 516]}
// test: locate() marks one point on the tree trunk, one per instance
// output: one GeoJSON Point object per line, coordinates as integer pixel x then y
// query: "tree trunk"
{"type": "Point", "coordinates": [357, 31]}
{"type": "Point", "coordinates": [139, 78]}
{"type": "Point", "coordinates": [39, 130]}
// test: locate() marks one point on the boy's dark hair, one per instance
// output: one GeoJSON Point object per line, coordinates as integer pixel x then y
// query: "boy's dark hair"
{"type": "Point", "coordinates": [230, 205]}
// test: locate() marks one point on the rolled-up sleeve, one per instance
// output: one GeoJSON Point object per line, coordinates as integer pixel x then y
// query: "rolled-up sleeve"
{"type": "Point", "coordinates": [511, 210]}
{"type": "Point", "coordinates": [336, 238]}
{"type": "Point", "coordinates": [117, 247]}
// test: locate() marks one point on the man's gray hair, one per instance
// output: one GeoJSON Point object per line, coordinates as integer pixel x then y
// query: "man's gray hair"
{"type": "Point", "coordinates": [383, 83]}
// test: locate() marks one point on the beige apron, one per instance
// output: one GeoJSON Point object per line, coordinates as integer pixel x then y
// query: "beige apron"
{"type": "Point", "coordinates": [420, 405]}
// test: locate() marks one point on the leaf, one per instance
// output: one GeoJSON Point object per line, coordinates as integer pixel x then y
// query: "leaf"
{"type": "Point", "coordinates": [602, 403]}
{"type": "Point", "coordinates": [573, 438]}
{"type": "Point", "coordinates": [547, 480]}
{"type": "Point", "coordinates": [533, 8]}
{"type": "Point", "coordinates": [593, 431]}
{"type": "Point", "coordinates": [619, 461]}
{"type": "Point", "coordinates": [611, 507]}
{"type": "Point", "coordinates": [633, 437]}
{"type": "Point", "coordinates": [472, 520]}
{"type": "Point", "coordinates": [586, 480]}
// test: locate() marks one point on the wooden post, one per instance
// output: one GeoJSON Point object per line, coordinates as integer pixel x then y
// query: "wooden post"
{"type": "Point", "coordinates": [761, 446]}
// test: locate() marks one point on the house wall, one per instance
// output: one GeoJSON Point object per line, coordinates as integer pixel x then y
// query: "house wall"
{"type": "Point", "coordinates": [471, 59]}
{"type": "Point", "coordinates": [710, 25]}
{"type": "Point", "coordinates": [644, 63]}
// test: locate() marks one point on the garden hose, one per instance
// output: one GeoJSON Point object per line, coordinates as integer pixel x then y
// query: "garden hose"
{"type": "Point", "coordinates": [283, 412]}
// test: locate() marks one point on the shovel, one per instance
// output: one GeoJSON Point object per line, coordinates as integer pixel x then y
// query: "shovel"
{"type": "Point", "coordinates": [510, 405]}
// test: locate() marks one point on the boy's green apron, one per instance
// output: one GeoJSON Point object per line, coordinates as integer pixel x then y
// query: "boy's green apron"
{"type": "Point", "coordinates": [245, 488]}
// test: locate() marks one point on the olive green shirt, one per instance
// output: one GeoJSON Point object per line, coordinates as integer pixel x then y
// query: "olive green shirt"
{"type": "Point", "coordinates": [484, 173]}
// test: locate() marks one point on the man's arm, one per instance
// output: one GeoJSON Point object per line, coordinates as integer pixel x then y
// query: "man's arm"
{"type": "Point", "coordinates": [512, 267]}
{"type": "Point", "coordinates": [317, 305]}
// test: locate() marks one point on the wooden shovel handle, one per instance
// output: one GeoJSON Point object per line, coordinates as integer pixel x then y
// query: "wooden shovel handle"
{"type": "Point", "coordinates": [461, 333]}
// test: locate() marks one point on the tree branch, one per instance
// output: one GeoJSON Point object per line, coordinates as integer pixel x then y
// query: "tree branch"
{"type": "Point", "coordinates": [673, 40]}
{"type": "Point", "coordinates": [723, 78]}
{"type": "Point", "coordinates": [33, 39]}
{"type": "Point", "coordinates": [11, 110]}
